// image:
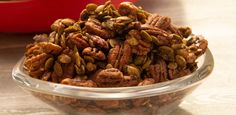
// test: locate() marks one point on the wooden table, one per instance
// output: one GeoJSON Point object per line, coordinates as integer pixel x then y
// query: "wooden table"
{"type": "Point", "coordinates": [215, 19]}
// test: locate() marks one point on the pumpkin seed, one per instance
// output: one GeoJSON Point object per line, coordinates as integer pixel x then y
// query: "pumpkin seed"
{"type": "Point", "coordinates": [58, 69]}
{"type": "Point", "coordinates": [49, 63]}
{"type": "Point", "coordinates": [91, 7]}
{"type": "Point", "coordinates": [180, 61]}
{"type": "Point", "coordinates": [145, 35]}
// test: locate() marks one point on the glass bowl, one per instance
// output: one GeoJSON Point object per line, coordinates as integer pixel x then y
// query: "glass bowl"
{"type": "Point", "coordinates": [160, 98]}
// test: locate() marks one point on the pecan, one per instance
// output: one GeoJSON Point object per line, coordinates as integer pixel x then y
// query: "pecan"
{"type": "Point", "coordinates": [50, 48]}
{"type": "Point", "coordinates": [128, 8]}
{"type": "Point", "coordinates": [46, 76]}
{"type": "Point", "coordinates": [36, 62]}
{"type": "Point", "coordinates": [41, 38]}
{"type": "Point", "coordinates": [129, 81]}
{"type": "Point", "coordinates": [78, 40]}
{"type": "Point", "coordinates": [33, 50]}
{"type": "Point", "coordinates": [113, 55]}
{"type": "Point", "coordinates": [147, 81]}
{"type": "Point", "coordinates": [95, 27]}
{"type": "Point", "coordinates": [94, 52]}
{"type": "Point", "coordinates": [84, 83]}
{"type": "Point", "coordinates": [158, 71]}
{"type": "Point", "coordinates": [158, 21]}
{"type": "Point", "coordinates": [126, 54]}
{"type": "Point", "coordinates": [95, 40]}
{"type": "Point", "coordinates": [111, 77]}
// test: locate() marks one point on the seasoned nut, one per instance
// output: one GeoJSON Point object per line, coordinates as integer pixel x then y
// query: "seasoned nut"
{"type": "Point", "coordinates": [133, 71]}
{"type": "Point", "coordinates": [158, 71]}
{"type": "Point", "coordinates": [111, 77]}
{"type": "Point", "coordinates": [84, 83]}
{"type": "Point", "coordinates": [58, 69]}
{"type": "Point", "coordinates": [94, 52]}
{"type": "Point", "coordinates": [46, 76]}
{"type": "Point", "coordinates": [63, 58]}
{"type": "Point", "coordinates": [97, 41]}
{"type": "Point", "coordinates": [145, 35]}
{"type": "Point", "coordinates": [77, 39]}
{"type": "Point", "coordinates": [95, 27]}
{"type": "Point", "coordinates": [36, 62]}
{"type": "Point", "coordinates": [147, 81]}
{"type": "Point", "coordinates": [180, 61]}
{"type": "Point", "coordinates": [49, 63]}
{"type": "Point", "coordinates": [91, 7]}
{"type": "Point", "coordinates": [41, 38]}
{"type": "Point", "coordinates": [158, 21]}
{"type": "Point", "coordinates": [113, 55]}
{"type": "Point", "coordinates": [50, 48]}
{"type": "Point", "coordinates": [166, 53]}
{"type": "Point", "coordinates": [143, 47]}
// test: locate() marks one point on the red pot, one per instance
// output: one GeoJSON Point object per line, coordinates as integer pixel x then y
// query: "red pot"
{"type": "Point", "coordinates": [38, 15]}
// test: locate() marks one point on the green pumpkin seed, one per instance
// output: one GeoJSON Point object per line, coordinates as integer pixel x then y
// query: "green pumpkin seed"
{"type": "Point", "coordinates": [180, 61]}
{"type": "Point", "coordinates": [49, 63]}
{"type": "Point", "coordinates": [63, 58]}
{"type": "Point", "coordinates": [99, 8]}
{"type": "Point", "coordinates": [147, 64]}
{"type": "Point", "coordinates": [178, 46]}
{"type": "Point", "coordinates": [67, 21]}
{"type": "Point", "coordinates": [176, 38]}
{"type": "Point", "coordinates": [131, 40]}
{"type": "Point", "coordinates": [63, 40]}
{"type": "Point", "coordinates": [77, 57]}
{"type": "Point", "coordinates": [172, 65]}
{"type": "Point", "coordinates": [58, 69]}
{"type": "Point", "coordinates": [139, 60]}
{"type": "Point", "coordinates": [113, 42]}
{"type": "Point", "coordinates": [166, 53]}
{"type": "Point", "coordinates": [131, 70]}
{"type": "Point", "coordinates": [145, 35]}
{"type": "Point", "coordinates": [80, 70]}
{"type": "Point", "coordinates": [91, 7]}
{"type": "Point", "coordinates": [109, 66]}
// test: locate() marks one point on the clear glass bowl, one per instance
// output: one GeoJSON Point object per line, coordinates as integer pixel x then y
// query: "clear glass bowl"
{"type": "Point", "coordinates": [161, 98]}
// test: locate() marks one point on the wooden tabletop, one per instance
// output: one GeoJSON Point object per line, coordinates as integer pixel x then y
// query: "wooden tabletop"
{"type": "Point", "coordinates": [215, 19]}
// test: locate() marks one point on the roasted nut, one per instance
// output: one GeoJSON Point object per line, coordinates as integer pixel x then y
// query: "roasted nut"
{"type": "Point", "coordinates": [49, 63]}
{"type": "Point", "coordinates": [97, 41]}
{"type": "Point", "coordinates": [77, 39]}
{"type": "Point", "coordinates": [91, 7]}
{"type": "Point", "coordinates": [95, 53]}
{"type": "Point", "coordinates": [58, 69]}
{"type": "Point", "coordinates": [91, 67]}
{"type": "Point", "coordinates": [63, 58]}
{"type": "Point", "coordinates": [111, 77]}
{"type": "Point", "coordinates": [147, 81]}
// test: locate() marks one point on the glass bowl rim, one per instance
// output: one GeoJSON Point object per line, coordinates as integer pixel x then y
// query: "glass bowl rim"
{"type": "Point", "coordinates": [117, 93]}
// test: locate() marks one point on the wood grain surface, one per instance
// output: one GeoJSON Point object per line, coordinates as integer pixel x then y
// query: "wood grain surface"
{"type": "Point", "coordinates": [215, 19]}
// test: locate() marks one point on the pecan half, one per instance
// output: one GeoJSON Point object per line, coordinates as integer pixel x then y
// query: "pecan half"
{"type": "Point", "coordinates": [93, 26]}
{"type": "Point", "coordinates": [111, 77]}
{"type": "Point", "coordinates": [158, 71]}
{"type": "Point", "coordinates": [94, 52]}
{"type": "Point", "coordinates": [78, 40]}
{"type": "Point", "coordinates": [95, 40]}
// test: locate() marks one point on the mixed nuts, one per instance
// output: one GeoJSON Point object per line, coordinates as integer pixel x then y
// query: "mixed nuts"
{"type": "Point", "coordinates": [109, 47]}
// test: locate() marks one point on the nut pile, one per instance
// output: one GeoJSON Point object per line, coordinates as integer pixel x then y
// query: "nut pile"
{"type": "Point", "coordinates": [109, 47]}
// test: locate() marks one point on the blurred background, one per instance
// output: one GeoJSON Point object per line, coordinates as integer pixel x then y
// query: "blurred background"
{"type": "Point", "coordinates": [215, 19]}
